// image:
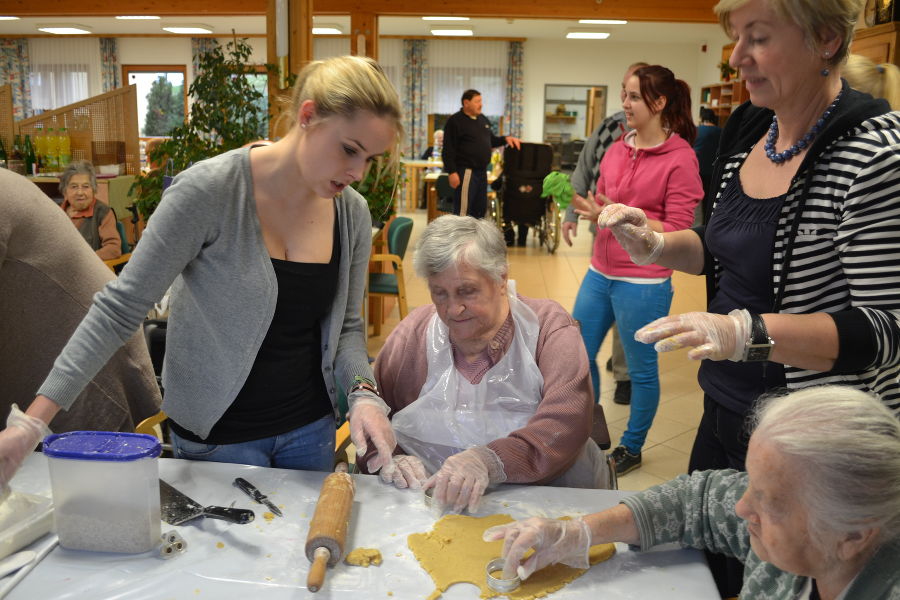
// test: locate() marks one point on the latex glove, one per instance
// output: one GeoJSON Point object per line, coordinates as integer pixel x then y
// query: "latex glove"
{"type": "Point", "coordinates": [463, 477]}
{"type": "Point", "coordinates": [18, 440]}
{"type": "Point", "coordinates": [405, 472]}
{"type": "Point", "coordinates": [553, 540]}
{"type": "Point", "coordinates": [712, 336]}
{"type": "Point", "coordinates": [369, 422]}
{"type": "Point", "coordinates": [630, 228]}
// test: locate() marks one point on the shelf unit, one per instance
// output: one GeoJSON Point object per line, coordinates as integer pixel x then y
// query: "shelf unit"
{"type": "Point", "coordinates": [560, 118]}
{"type": "Point", "coordinates": [723, 98]}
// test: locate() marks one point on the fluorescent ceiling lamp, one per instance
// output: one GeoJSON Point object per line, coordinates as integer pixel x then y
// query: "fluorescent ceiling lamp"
{"type": "Point", "coordinates": [137, 18]}
{"type": "Point", "coordinates": [65, 29]}
{"type": "Point", "coordinates": [188, 28]}
{"type": "Point", "coordinates": [445, 18]}
{"type": "Point", "coordinates": [586, 35]}
{"type": "Point", "coordinates": [455, 31]}
{"type": "Point", "coordinates": [9, 18]}
{"type": "Point", "coordinates": [602, 22]}
{"type": "Point", "coordinates": [327, 29]}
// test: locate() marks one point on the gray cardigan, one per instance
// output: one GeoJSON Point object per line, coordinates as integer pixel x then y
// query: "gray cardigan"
{"type": "Point", "coordinates": [206, 237]}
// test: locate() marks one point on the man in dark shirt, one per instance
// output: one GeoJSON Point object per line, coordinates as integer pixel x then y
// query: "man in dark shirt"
{"type": "Point", "coordinates": [468, 141]}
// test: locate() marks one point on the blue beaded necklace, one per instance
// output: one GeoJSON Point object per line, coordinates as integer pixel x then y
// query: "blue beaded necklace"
{"type": "Point", "coordinates": [772, 137]}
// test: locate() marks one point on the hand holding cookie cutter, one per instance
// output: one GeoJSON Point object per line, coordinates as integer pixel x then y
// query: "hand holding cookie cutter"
{"type": "Point", "coordinates": [499, 584]}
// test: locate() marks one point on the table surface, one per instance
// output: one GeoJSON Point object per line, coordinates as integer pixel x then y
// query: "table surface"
{"type": "Point", "coordinates": [266, 558]}
{"type": "Point", "coordinates": [421, 163]}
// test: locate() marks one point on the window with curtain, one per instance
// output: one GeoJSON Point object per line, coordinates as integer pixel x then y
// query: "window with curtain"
{"type": "Point", "coordinates": [455, 66]}
{"type": "Point", "coordinates": [329, 47]}
{"type": "Point", "coordinates": [63, 71]}
{"type": "Point", "coordinates": [390, 57]}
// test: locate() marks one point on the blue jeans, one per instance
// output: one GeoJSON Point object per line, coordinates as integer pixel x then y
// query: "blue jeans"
{"type": "Point", "coordinates": [600, 302]}
{"type": "Point", "coordinates": [308, 448]}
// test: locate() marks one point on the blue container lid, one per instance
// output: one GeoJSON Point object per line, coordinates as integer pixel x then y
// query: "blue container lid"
{"type": "Point", "coordinates": [102, 445]}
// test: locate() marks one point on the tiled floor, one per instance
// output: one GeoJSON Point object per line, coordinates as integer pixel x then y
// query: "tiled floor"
{"type": "Point", "coordinates": [558, 276]}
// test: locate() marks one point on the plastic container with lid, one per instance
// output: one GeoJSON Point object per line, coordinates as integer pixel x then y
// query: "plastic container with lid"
{"type": "Point", "coordinates": [105, 490]}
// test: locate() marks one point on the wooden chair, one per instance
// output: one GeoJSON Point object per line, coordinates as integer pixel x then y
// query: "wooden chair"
{"type": "Point", "coordinates": [153, 425]}
{"type": "Point", "coordinates": [392, 284]}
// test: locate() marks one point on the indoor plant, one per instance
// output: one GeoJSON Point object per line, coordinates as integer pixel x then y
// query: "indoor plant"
{"type": "Point", "coordinates": [227, 112]}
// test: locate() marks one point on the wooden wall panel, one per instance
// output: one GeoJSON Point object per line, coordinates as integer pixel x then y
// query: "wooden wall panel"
{"type": "Point", "coordinates": [681, 11]}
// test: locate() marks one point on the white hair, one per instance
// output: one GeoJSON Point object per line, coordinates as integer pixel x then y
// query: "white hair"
{"type": "Point", "coordinates": [451, 240]}
{"type": "Point", "coordinates": [847, 444]}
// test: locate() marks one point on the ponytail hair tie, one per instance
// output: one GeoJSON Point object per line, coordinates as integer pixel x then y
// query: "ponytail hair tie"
{"type": "Point", "coordinates": [880, 69]}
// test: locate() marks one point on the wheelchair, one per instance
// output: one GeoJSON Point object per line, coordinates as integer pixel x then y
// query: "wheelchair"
{"type": "Point", "coordinates": [520, 193]}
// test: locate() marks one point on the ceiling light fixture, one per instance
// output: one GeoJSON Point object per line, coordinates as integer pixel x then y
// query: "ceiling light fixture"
{"type": "Point", "coordinates": [9, 18]}
{"type": "Point", "coordinates": [65, 29]}
{"type": "Point", "coordinates": [186, 28]}
{"type": "Point", "coordinates": [445, 18]}
{"type": "Point", "coordinates": [584, 34]}
{"type": "Point", "coordinates": [327, 29]}
{"type": "Point", "coordinates": [602, 22]}
{"type": "Point", "coordinates": [452, 31]}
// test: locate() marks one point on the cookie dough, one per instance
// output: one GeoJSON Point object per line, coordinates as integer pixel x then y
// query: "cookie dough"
{"type": "Point", "coordinates": [363, 557]}
{"type": "Point", "coordinates": [453, 552]}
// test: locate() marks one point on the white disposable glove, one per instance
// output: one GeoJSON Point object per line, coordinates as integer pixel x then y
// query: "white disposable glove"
{"type": "Point", "coordinates": [463, 477]}
{"type": "Point", "coordinates": [629, 226]}
{"type": "Point", "coordinates": [709, 335]}
{"type": "Point", "coordinates": [369, 422]}
{"type": "Point", "coordinates": [18, 440]}
{"type": "Point", "coordinates": [554, 541]}
{"type": "Point", "coordinates": [405, 472]}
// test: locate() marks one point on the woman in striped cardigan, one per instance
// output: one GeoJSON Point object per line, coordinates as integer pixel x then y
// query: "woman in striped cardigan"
{"type": "Point", "coordinates": [800, 250]}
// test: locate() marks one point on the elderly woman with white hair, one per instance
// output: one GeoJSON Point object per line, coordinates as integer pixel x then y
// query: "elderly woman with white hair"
{"type": "Point", "coordinates": [815, 516]}
{"type": "Point", "coordinates": [485, 386]}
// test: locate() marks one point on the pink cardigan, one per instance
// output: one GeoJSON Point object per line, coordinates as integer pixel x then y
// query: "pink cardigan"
{"type": "Point", "coordinates": [663, 181]}
{"type": "Point", "coordinates": [551, 441]}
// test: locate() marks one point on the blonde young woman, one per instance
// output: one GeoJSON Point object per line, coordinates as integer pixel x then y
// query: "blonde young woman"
{"type": "Point", "coordinates": [268, 248]}
{"type": "Point", "coordinates": [877, 80]}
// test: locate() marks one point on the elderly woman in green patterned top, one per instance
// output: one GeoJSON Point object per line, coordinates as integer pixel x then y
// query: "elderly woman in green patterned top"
{"type": "Point", "coordinates": [816, 515]}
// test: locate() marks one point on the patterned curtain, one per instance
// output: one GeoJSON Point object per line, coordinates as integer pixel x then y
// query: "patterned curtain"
{"type": "Point", "coordinates": [513, 110]}
{"type": "Point", "coordinates": [415, 76]}
{"type": "Point", "coordinates": [201, 46]}
{"type": "Point", "coordinates": [14, 70]}
{"type": "Point", "coordinates": [109, 64]}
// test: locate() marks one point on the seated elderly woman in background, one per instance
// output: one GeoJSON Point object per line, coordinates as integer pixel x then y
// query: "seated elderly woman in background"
{"type": "Point", "coordinates": [816, 514]}
{"type": "Point", "coordinates": [485, 386]}
{"type": "Point", "coordinates": [94, 220]}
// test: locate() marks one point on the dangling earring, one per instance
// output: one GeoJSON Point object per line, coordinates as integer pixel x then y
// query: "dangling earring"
{"type": "Point", "coordinates": [825, 72]}
{"type": "Point", "coordinates": [302, 125]}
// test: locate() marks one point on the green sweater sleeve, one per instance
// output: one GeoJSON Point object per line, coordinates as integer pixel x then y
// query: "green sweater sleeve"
{"type": "Point", "coordinates": [696, 511]}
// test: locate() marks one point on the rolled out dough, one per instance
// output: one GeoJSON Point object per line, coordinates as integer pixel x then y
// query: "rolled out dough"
{"type": "Point", "coordinates": [454, 552]}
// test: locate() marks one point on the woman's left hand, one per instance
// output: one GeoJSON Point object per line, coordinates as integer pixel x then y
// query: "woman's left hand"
{"type": "Point", "coordinates": [463, 477]}
{"type": "Point", "coordinates": [590, 206]}
{"type": "Point", "coordinates": [709, 335]}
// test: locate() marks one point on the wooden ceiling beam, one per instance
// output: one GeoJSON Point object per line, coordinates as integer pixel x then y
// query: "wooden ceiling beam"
{"type": "Point", "coordinates": [682, 11]}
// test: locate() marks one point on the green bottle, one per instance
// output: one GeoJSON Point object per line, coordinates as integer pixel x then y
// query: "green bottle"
{"type": "Point", "coordinates": [28, 156]}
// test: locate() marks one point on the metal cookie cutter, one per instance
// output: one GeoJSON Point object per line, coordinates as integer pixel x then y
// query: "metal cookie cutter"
{"type": "Point", "coordinates": [172, 544]}
{"type": "Point", "coordinates": [498, 584]}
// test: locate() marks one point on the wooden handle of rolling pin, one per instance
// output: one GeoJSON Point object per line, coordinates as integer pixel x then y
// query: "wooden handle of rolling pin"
{"type": "Point", "coordinates": [328, 527]}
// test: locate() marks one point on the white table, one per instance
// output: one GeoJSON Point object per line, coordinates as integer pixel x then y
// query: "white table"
{"type": "Point", "coordinates": [266, 559]}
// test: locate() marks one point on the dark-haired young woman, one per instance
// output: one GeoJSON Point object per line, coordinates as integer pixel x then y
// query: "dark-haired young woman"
{"type": "Point", "coordinates": [653, 167]}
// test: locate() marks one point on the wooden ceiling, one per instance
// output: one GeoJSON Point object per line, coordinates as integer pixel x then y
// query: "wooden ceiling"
{"type": "Point", "coordinates": [679, 11]}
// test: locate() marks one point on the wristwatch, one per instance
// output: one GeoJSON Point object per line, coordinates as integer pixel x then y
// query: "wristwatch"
{"type": "Point", "coordinates": [759, 347]}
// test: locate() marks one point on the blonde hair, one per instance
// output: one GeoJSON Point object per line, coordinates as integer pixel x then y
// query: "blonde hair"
{"type": "Point", "coordinates": [814, 17]}
{"type": "Point", "coordinates": [879, 81]}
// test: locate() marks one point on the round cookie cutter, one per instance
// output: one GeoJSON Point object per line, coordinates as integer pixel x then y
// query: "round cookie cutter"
{"type": "Point", "coordinates": [429, 493]}
{"type": "Point", "coordinates": [498, 584]}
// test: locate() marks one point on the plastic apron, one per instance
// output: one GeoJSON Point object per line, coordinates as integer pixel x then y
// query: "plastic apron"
{"type": "Point", "coordinates": [452, 414]}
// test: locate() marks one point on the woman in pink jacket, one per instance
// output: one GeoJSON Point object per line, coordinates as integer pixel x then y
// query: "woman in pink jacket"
{"type": "Point", "coordinates": [653, 167]}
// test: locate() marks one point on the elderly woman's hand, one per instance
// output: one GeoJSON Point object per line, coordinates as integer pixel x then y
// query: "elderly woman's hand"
{"type": "Point", "coordinates": [404, 472]}
{"type": "Point", "coordinates": [554, 541]}
{"type": "Point", "coordinates": [368, 421]}
{"type": "Point", "coordinates": [709, 335]}
{"type": "Point", "coordinates": [463, 477]}
{"type": "Point", "coordinates": [630, 228]}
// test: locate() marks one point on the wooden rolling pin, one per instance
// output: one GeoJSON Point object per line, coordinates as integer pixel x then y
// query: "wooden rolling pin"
{"type": "Point", "coordinates": [328, 528]}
